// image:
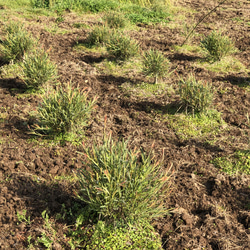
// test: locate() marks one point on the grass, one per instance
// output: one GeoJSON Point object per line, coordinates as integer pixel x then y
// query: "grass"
{"type": "Point", "coordinates": [234, 164]}
{"type": "Point", "coordinates": [145, 89]}
{"type": "Point", "coordinates": [196, 126]}
{"type": "Point", "coordinates": [224, 66]}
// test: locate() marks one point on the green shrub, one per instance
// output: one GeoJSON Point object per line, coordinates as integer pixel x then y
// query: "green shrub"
{"type": "Point", "coordinates": [195, 96]}
{"type": "Point", "coordinates": [125, 236]}
{"type": "Point", "coordinates": [217, 46]}
{"type": "Point", "coordinates": [38, 69]}
{"type": "Point", "coordinates": [121, 46]}
{"type": "Point", "coordinates": [64, 110]}
{"type": "Point", "coordinates": [122, 184]}
{"type": "Point", "coordinates": [155, 64]}
{"type": "Point", "coordinates": [115, 20]}
{"type": "Point", "coordinates": [98, 36]}
{"type": "Point", "coordinates": [16, 43]}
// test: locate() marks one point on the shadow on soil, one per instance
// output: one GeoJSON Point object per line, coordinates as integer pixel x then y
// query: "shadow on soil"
{"type": "Point", "coordinates": [40, 196]}
{"type": "Point", "coordinates": [184, 57]}
{"type": "Point", "coordinates": [236, 80]}
{"type": "Point", "coordinates": [13, 85]}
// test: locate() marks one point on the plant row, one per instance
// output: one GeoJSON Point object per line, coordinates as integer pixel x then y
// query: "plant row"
{"type": "Point", "coordinates": [122, 188]}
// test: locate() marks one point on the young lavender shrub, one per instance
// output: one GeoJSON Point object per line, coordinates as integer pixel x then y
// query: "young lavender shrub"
{"type": "Point", "coordinates": [217, 46]}
{"type": "Point", "coordinates": [155, 64]}
{"type": "Point", "coordinates": [121, 184]}
{"type": "Point", "coordinates": [16, 42]}
{"type": "Point", "coordinates": [98, 36]}
{"type": "Point", "coordinates": [64, 110]}
{"type": "Point", "coordinates": [121, 46]}
{"type": "Point", "coordinates": [115, 20]}
{"type": "Point", "coordinates": [195, 96]}
{"type": "Point", "coordinates": [38, 69]}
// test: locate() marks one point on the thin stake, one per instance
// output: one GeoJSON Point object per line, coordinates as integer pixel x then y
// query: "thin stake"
{"type": "Point", "coordinates": [201, 20]}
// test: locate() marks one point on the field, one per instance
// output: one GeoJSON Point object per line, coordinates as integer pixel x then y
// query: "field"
{"type": "Point", "coordinates": [208, 153]}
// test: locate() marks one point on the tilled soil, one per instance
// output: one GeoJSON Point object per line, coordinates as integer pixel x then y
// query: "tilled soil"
{"type": "Point", "coordinates": [210, 209]}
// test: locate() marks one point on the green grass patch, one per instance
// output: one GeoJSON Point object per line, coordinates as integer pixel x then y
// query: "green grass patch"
{"type": "Point", "coordinates": [225, 65]}
{"type": "Point", "coordinates": [15, 4]}
{"type": "Point", "coordinates": [237, 163]}
{"type": "Point", "coordinates": [139, 14]}
{"type": "Point", "coordinates": [129, 68]}
{"type": "Point", "coordinates": [127, 236]}
{"type": "Point", "coordinates": [197, 125]}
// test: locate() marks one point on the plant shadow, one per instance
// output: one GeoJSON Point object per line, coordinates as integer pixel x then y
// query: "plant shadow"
{"type": "Point", "coordinates": [240, 81]}
{"type": "Point", "coordinates": [13, 85]}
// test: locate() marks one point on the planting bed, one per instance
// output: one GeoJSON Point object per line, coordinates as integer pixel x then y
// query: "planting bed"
{"type": "Point", "coordinates": [210, 208]}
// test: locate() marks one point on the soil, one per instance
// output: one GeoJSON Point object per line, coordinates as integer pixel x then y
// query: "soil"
{"type": "Point", "coordinates": [210, 209]}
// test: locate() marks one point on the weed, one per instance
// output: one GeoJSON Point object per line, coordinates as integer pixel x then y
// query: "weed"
{"type": "Point", "coordinates": [38, 69]}
{"type": "Point", "coordinates": [16, 43]}
{"type": "Point", "coordinates": [67, 109]}
{"type": "Point", "coordinates": [217, 46]}
{"type": "Point", "coordinates": [195, 96]}
{"type": "Point", "coordinates": [22, 217]}
{"type": "Point", "coordinates": [155, 64]}
{"type": "Point", "coordinates": [125, 236]}
{"type": "Point", "coordinates": [118, 186]}
{"type": "Point", "coordinates": [239, 162]}
{"type": "Point", "coordinates": [121, 46]}
{"type": "Point", "coordinates": [199, 125]}
{"type": "Point", "coordinates": [115, 20]}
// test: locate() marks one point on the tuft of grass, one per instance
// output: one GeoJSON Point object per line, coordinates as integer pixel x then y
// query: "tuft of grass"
{"type": "Point", "coordinates": [217, 46]}
{"type": "Point", "coordinates": [115, 20]}
{"type": "Point", "coordinates": [16, 43]}
{"type": "Point", "coordinates": [195, 96]}
{"type": "Point", "coordinates": [155, 64]}
{"type": "Point", "coordinates": [64, 110]}
{"type": "Point", "coordinates": [122, 184]}
{"type": "Point", "coordinates": [38, 69]}
{"type": "Point", "coordinates": [237, 163]}
{"type": "Point", "coordinates": [121, 46]}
